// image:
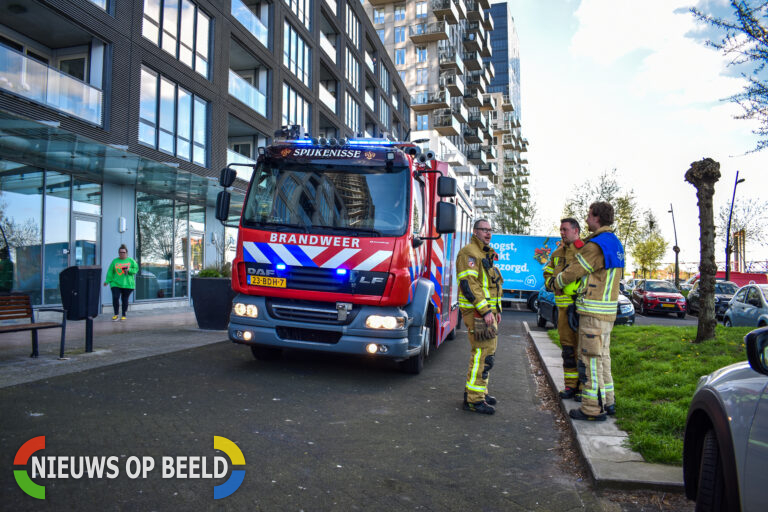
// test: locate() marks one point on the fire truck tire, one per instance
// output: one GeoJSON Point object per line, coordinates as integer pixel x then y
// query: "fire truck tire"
{"type": "Point", "coordinates": [452, 334]}
{"type": "Point", "coordinates": [415, 364]}
{"type": "Point", "coordinates": [266, 353]}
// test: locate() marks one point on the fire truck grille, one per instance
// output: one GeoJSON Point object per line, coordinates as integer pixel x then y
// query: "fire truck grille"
{"type": "Point", "coordinates": [312, 335]}
{"type": "Point", "coordinates": [317, 279]}
{"type": "Point", "coordinates": [307, 311]}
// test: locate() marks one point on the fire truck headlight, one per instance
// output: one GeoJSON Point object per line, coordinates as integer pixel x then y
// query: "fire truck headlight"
{"type": "Point", "coordinates": [248, 310]}
{"type": "Point", "coordinates": [384, 322]}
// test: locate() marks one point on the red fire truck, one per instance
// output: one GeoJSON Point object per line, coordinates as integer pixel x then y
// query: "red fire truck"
{"type": "Point", "coordinates": [345, 246]}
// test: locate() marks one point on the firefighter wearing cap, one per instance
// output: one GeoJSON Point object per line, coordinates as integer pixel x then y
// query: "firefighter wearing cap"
{"type": "Point", "coordinates": [480, 305]}
{"type": "Point", "coordinates": [561, 257]}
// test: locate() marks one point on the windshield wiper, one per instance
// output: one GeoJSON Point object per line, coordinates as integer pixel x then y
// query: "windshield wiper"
{"type": "Point", "coordinates": [347, 229]}
{"type": "Point", "coordinates": [280, 226]}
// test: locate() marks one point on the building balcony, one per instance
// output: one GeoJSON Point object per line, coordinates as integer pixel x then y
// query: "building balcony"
{"type": "Point", "coordinates": [475, 27]}
{"type": "Point", "coordinates": [473, 98]}
{"type": "Point", "coordinates": [489, 102]}
{"type": "Point", "coordinates": [461, 8]}
{"type": "Point", "coordinates": [472, 61]}
{"type": "Point", "coordinates": [523, 159]}
{"type": "Point", "coordinates": [460, 111]}
{"type": "Point", "coordinates": [444, 123]}
{"type": "Point", "coordinates": [477, 157]}
{"type": "Point", "coordinates": [524, 143]}
{"type": "Point", "coordinates": [474, 13]}
{"type": "Point", "coordinates": [328, 98]}
{"type": "Point", "coordinates": [486, 51]}
{"type": "Point", "coordinates": [508, 141]}
{"type": "Point", "coordinates": [246, 93]}
{"type": "Point", "coordinates": [453, 82]}
{"type": "Point", "coordinates": [477, 120]}
{"type": "Point", "coordinates": [488, 169]}
{"type": "Point", "coordinates": [472, 43]}
{"type": "Point", "coordinates": [328, 47]}
{"type": "Point", "coordinates": [500, 126]}
{"type": "Point", "coordinates": [488, 23]}
{"type": "Point", "coordinates": [471, 135]}
{"type": "Point", "coordinates": [251, 22]}
{"type": "Point", "coordinates": [490, 69]}
{"type": "Point", "coordinates": [475, 82]}
{"type": "Point", "coordinates": [445, 10]}
{"type": "Point", "coordinates": [506, 104]}
{"type": "Point", "coordinates": [377, 3]}
{"type": "Point", "coordinates": [465, 170]}
{"type": "Point", "coordinates": [35, 81]}
{"type": "Point", "coordinates": [484, 4]}
{"type": "Point", "coordinates": [451, 158]}
{"type": "Point", "coordinates": [449, 59]}
{"type": "Point", "coordinates": [428, 32]}
{"type": "Point", "coordinates": [426, 100]}
{"type": "Point", "coordinates": [482, 203]}
{"type": "Point", "coordinates": [490, 151]}
{"type": "Point", "coordinates": [482, 184]}
{"type": "Point", "coordinates": [489, 133]}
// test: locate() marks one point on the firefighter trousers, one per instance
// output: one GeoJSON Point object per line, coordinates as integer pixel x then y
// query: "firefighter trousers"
{"type": "Point", "coordinates": [480, 362]}
{"type": "Point", "coordinates": [569, 342]}
{"type": "Point", "coordinates": [595, 365]}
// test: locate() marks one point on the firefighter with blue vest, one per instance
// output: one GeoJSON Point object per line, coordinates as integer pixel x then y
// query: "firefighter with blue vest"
{"type": "Point", "coordinates": [561, 257]}
{"type": "Point", "coordinates": [480, 306]}
{"type": "Point", "coordinates": [598, 267]}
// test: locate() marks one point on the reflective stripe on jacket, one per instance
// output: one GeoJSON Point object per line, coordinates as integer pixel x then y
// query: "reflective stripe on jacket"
{"type": "Point", "coordinates": [484, 284]}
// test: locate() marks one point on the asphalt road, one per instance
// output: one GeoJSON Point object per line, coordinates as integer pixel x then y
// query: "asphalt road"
{"type": "Point", "coordinates": [318, 432]}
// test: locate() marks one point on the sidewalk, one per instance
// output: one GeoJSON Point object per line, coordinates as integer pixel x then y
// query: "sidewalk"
{"type": "Point", "coordinates": [145, 333]}
{"type": "Point", "coordinates": [602, 445]}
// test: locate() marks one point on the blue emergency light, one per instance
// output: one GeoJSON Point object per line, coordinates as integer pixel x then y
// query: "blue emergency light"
{"type": "Point", "coordinates": [341, 271]}
{"type": "Point", "coordinates": [280, 266]}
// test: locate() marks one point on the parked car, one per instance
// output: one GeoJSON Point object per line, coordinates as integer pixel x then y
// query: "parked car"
{"type": "Point", "coordinates": [724, 292]}
{"type": "Point", "coordinates": [725, 446]}
{"type": "Point", "coordinates": [655, 295]}
{"type": "Point", "coordinates": [749, 307]}
{"type": "Point", "coordinates": [548, 312]}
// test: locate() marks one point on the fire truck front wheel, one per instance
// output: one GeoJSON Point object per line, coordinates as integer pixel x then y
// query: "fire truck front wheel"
{"type": "Point", "coordinates": [415, 364]}
{"type": "Point", "coordinates": [263, 353]}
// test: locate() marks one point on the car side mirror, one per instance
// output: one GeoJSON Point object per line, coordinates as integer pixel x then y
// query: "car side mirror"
{"type": "Point", "coordinates": [757, 349]}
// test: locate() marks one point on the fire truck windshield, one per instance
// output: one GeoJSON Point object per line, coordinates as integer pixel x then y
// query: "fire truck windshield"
{"type": "Point", "coordinates": [356, 201]}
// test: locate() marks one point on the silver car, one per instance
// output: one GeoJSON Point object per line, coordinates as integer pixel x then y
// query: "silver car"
{"type": "Point", "coordinates": [749, 307]}
{"type": "Point", "coordinates": [725, 449]}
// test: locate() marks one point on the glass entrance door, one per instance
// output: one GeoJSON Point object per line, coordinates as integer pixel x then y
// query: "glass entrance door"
{"type": "Point", "coordinates": [85, 241]}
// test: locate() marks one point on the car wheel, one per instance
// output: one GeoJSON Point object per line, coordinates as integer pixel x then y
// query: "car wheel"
{"type": "Point", "coordinates": [415, 364]}
{"type": "Point", "coordinates": [681, 314]}
{"type": "Point", "coordinates": [266, 353]}
{"type": "Point", "coordinates": [641, 308]}
{"type": "Point", "coordinates": [727, 322]}
{"type": "Point", "coordinates": [533, 302]}
{"type": "Point", "coordinates": [540, 320]}
{"type": "Point", "coordinates": [710, 492]}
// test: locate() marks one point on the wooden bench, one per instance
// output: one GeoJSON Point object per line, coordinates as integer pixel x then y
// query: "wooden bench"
{"type": "Point", "coordinates": [15, 307]}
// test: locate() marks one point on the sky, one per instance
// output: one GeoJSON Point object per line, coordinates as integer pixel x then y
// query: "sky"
{"type": "Point", "coordinates": [629, 85]}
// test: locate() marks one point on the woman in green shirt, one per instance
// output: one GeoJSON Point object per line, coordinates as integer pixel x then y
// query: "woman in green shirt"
{"type": "Point", "coordinates": [120, 278]}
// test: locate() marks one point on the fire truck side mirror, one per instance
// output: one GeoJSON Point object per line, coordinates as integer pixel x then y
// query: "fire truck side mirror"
{"type": "Point", "coordinates": [227, 177]}
{"type": "Point", "coordinates": [446, 217]}
{"type": "Point", "coordinates": [222, 205]}
{"type": "Point", "coordinates": [446, 187]}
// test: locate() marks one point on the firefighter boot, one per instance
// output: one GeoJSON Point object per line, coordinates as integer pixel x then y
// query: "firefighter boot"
{"type": "Point", "coordinates": [490, 400]}
{"type": "Point", "coordinates": [481, 407]}
{"type": "Point", "coordinates": [577, 414]}
{"type": "Point", "coordinates": [610, 410]}
{"type": "Point", "coordinates": [569, 393]}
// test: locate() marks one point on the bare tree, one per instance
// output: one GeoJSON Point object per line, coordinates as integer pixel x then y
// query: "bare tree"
{"type": "Point", "coordinates": [750, 216]}
{"type": "Point", "coordinates": [745, 43]}
{"type": "Point", "coordinates": [703, 175]}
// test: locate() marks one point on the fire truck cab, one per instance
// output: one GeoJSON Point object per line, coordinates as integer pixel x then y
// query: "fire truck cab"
{"type": "Point", "coordinates": [344, 246]}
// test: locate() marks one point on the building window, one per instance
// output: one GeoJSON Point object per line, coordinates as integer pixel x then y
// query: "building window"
{"type": "Point", "coordinates": [353, 70]}
{"type": "Point", "coordinates": [399, 34]}
{"type": "Point", "coordinates": [421, 53]}
{"type": "Point", "coordinates": [400, 57]}
{"type": "Point", "coordinates": [378, 15]}
{"type": "Point", "coordinates": [400, 12]}
{"type": "Point", "coordinates": [352, 113]}
{"type": "Point", "coordinates": [296, 54]}
{"type": "Point", "coordinates": [422, 76]}
{"type": "Point", "coordinates": [383, 111]}
{"type": "Point", "coordinates": [421, 9]}
{"type": "Point", "coordinates": [422, 122]}
{"type": "Point", "coordinates": [172, 119]}
{"type": "Point", "coordinates": [185, 31]}
{"type": "Point", "coordinates": [402, 75]}
{"type": "Point", "coordinates": [380, 32]}
{"type": "Point", "coordinates": [295, 109]}
{"type": "Point", "coordinates": [384, 79]}
{"type": "Point", "coordinates": [302, 9]}
{"type": "Point", "coordinates": [353, 27]}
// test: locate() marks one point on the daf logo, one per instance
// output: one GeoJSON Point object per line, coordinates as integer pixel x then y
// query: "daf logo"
{"type": "Point", "coordinates": [369, 280]}
{"type": "Point", "coordinates": [261, 271]}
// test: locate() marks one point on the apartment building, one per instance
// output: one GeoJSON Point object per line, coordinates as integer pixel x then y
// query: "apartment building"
{"type": "Point", "coordinates": [116, 117]}
{"type": "Point", "coordinates": [438, 47]}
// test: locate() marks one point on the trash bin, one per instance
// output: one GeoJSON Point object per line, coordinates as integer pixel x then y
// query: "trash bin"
{"type": "Point", "coordinates": [79, 287]}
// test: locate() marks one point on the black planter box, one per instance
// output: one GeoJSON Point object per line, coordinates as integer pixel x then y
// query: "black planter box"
{"type": "Point", "coordinates": [212, 300]}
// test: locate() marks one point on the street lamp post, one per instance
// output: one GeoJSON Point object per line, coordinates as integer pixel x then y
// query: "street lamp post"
{"type": "Point", "coordinates": [675, 248]}
{"type": "Point", "coordinates": [728, 232]}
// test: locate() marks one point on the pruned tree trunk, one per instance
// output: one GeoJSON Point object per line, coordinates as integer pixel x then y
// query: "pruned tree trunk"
{"type": "Point", "coordinates": [703, 175]}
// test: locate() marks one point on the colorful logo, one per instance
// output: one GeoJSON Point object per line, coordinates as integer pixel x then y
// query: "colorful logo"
{"type": "Point", "coordinates": [21, 459]}
{"type": "Point", "coordinates": [236, 478]}
{"type": "Point", "coordinates": [370, 155]}
{"type": "Point", "coordinates": [285, 152]}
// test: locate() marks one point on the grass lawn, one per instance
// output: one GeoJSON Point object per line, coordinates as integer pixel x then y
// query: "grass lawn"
{"type": "Point", "coordinates": [655, 372]}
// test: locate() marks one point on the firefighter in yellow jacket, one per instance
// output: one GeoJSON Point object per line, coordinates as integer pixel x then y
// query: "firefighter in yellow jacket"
{"type": "Point", "coordinates": [561, 257]}
{"type": "Point", "coordinates": [599, 267]}
{"type": "Point", "coordinates": [480, 305]}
